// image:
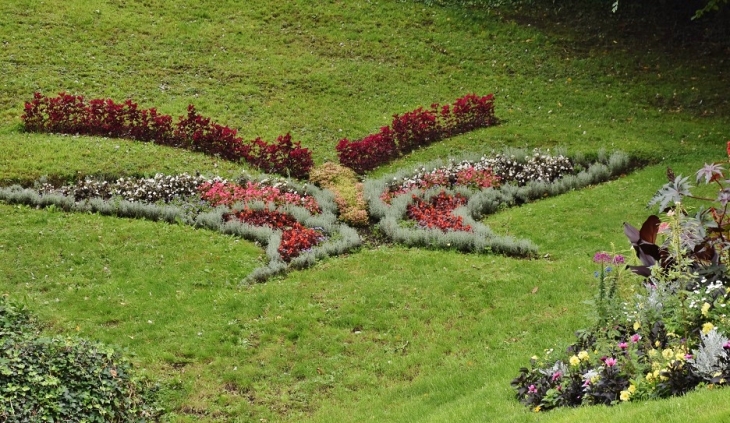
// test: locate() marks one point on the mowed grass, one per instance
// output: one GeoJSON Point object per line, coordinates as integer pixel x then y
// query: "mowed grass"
{"type": "Point", "coordinates": [381, 334]}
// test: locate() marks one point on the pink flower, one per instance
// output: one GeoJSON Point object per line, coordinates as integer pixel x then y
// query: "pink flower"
{"type": "Point", "coordinates": [602, 257]}
{"type": "Point", "coordinates": [623, 345]}
{"type": "Point", "coordinates": [557, 375]}
{"type": "Point", "coordinates": [531, 389]}
{"type": "Point", "coordinates": [610, 362]}
{"type": "Point", "coordinates": [635, 338]}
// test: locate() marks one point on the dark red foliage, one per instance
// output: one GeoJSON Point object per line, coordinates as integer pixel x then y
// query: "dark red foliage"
{"type": "Point", "coordinates": [284, 157]}
{"type": "Point", "coordinates": [198, 133]}
{"type": "Point", "coordinates": [368, 153]}
{"type": "Point", "coordinates": [415, 129]}
{"type": "Point", "coordinates": [295, 237]}
{"type": "Point", "coordinates": [69, 114]}
{"type": "Point", "coordinates": [438, 212]}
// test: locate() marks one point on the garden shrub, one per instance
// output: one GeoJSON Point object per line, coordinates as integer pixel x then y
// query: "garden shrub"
{"type": "Point", "coordinates": [70, 114]}
{"type": "Point", "coordinates": [415, 129]}
{"type": "Point", "coordinates": [348, 190]}
{"type": "Point", "coordinates": [660, 322]}
{"type": "Point", "coordinates": [66, 378]}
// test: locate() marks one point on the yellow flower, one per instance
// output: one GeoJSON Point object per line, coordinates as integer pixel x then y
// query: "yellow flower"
{"type": "Point", "coordinates": [637, 325]}
{"type": "Point", "coordinates": [625, 395]}
{"type": "Point", "coordinates": [534, 357]}
{"type": "Point", "coordinates": [667, 353]}
{"type": "Point", "coordinates": [679, 355]}
{"type": "Point", "coordinates": [583, 355]}
{"type": "Point", "coordinates": [632, 388]}
{"type": "Point", "coordinates": [656, 366]}
{"type": "Point", "coordinates": [657, 344]}
{"type": "Point", "coordinates": [649, 377]}
{"type": "Point", "coordinates": [536, 409]}
{"type": "Point", "coordinates": [705, 308]}
{"type": "Point", "coordinates": [707, 328]}
{"type": "Point", "coordinates": [652, 352]}
{"type": "Point", "coordinates": [574, 360]}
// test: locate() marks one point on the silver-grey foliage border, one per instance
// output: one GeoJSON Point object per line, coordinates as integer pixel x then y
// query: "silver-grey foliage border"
{"type": "Point", "coordinates": [481, 203]}
{"type": "Point", "coordinates": [341, 238]}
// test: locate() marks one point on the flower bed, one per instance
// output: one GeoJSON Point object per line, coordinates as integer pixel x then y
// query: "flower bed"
{"type": "Point", "coordinates": [438, 212]}
{"type": "Point", "coordinates": [465, 174]}
{"type": "Point", "coordinates": [294, 238]}
{"type": "Point", "coordinates": [297, 224]}
{"type": "Point", "coordinates": [70, 114]}
{"type": "Point", "coordinates": [220, 192]}
{"type": "Point", "coordinates": [448, 199]}
{"type": "Point", "coordinates": [416, 129]}
{"type": "Point", "coordinates": [668, 336]}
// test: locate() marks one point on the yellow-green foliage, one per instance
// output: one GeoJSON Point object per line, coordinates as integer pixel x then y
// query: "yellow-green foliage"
{"type": "Point", "coordinates": [348, 191]}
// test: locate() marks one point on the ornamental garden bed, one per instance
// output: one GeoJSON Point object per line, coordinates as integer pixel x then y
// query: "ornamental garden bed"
{"type": "Point", "coordinates": [659, 326]}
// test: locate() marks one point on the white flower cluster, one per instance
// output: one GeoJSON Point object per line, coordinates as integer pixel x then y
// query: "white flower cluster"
{"type": "Point", "coordinates": [538, 167]}
{"type": "Point", "coordinates": [165, 188]}
{"type": "Point", "coordinates": [699, 295]}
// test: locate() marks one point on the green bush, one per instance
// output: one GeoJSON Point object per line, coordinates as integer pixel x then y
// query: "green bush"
{"type": "Point", "coordinates": [65, 378]}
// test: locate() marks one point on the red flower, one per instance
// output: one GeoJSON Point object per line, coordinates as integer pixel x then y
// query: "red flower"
{"type": "Point", "coordinates": [438, 212]}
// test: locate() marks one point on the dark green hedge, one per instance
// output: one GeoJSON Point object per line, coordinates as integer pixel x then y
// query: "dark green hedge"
{"type": "Point", "coordinates": [65, 379]}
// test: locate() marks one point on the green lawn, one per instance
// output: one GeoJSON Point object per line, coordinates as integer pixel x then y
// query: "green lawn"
{"type": "Point", "coordinates": [381, 334]}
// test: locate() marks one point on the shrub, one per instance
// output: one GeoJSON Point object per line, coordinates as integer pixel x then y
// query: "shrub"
{"type": "Point", "coordinates": [65, 378]}
{"type": "Point", "coordinates": [415, 129]}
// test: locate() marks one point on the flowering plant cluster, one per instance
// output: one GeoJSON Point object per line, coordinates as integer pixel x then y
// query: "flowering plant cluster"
{"type": "Point", "coordinates": [221, 192]}
{"type": "Point", "coordinates": [295, 237]}
{"type": "Point", "coordinates": [160, 188]}
{"type": "Point", "coordinates": [465, 174]}
{"type": "Point", "coordinates": [488, 171]}
{"type": "Point", "coordinates": [438, 212]}
{"type": "Point", "coordinates": [540, 166]}
{"type": "Point", "coordinates": [283, 157]}
{"type": "Point", "coordinates": [70, 114]}
{"type": "Point", "coordinates": [485, 191]}
{"type": "Point", "coordinates": [415, 129]}
{"type": "Point", "coordinates": [662, 324]}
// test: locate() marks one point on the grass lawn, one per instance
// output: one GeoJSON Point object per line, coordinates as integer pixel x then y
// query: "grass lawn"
{"type": "Point", "coordinates": [384, 333]}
